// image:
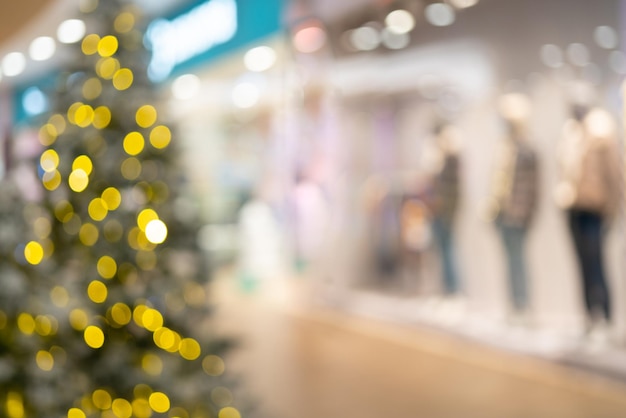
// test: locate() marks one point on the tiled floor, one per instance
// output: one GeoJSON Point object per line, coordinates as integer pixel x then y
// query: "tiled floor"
{"type": "Point", "coordinates": [305, 363]}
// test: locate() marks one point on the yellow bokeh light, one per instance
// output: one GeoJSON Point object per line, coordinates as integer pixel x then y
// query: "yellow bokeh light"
{"type": "Point", "coordinates": [97, 291]}
{"type": "Point", "coordinates": [26, 323]}
{"type": "Point", "coordinates": [94, 337]}
{"type": "Point", "coordinates": [107, 46]}
{"type": "Point", "coordinates": [92, 88]}
{"type": "Point", "coordinates": [120, 313]}
{"type": "Point", "coordinates": [165, 338]}
{"type": "Point", "coordinates": [48, 247]}
{"type": "Point", "coordinates": [59, 296]}
{"type": "Point", "coordinates": [141, 408]}
{"type": "Point", "coordinates": [146, 260]}
{"type": "Point", "coordinates": [101, 117]}
{"type": "Point", "coordinates": [44, 325]}
{"type": "Point", "coordinates": [145, 216]}
{"type": "Point", "coordinates": [122, 408]}
{"type": "Point", "coordinates": [131, 168]}
{"type": "Point", "coordinates": [84, 163]}
{"type": "Point", "coordinates": [123, 79]}
{"type": "Point", "coordinates": [44, 360]}
{"type": "Point", "coordinates": [83, 116]}
{"type": "Point", "coordinates": [134, 143]}
{"type": "Point", "coordinates": [174, 347]}
{"type": "Point", "coordinates": [88, 234]}
{"type": "Point", "coordinates": [152, 364]}
{"type": "Point", "coordinates": [78, 180]}
{"type": "Point", "coordinates": [76, 413]}
{"type": "Point", "coordinates": [142, 391]}
{"type": "Point", "coordinates": [112, 197]}
{"type": "Point", "coordinates": [138, 314]}
{"type": "Point", "coordinates": [213, 365]}
{"type": "Point", "coordinates": [58, 121]}
{"type": "Point", "coordinates": [124, 22]}
{"type": "Point", "coordinates": [152, 319]}
{"type": "Point", "coordinates": [107, 267]}
{"type": "Point", "coordinates": [107, 67]}
{"type": "Point", "coordinates": [79, 319]}
{"type": "Point", "coordinates": [221, 396]}
{"type": "Point", "coordinates": [160, 136]}
{"type": "Point", "coordinates": [42, 227]}
{"type": "Point", "coordinates": [71, 112]}
{"type": "Point", "coordinates": [98, 209]}
{"type": "Point", "coordinates": [48, 134]}
{"type": "Point", "coordinates": [15, 405]}
{"type": "Point", "coordinates": [146, 116]}
{"type": "Point", "coordinates": [89, 45]}
{"type": "Point", "coordinates": [63, 210]}
{"type": "Point", "coordinates": [156, 231]}
{"type": "Point", "coordinates": [72, 224]}
{"type": "Point", "coordinates": [51, 181]}
{"type": "Point", "coordinates": [159, 402]}
{"type": "Point", "coordinates": [101, 399]}
{"type": "Point", "coordinates": [189, 349]}
{"type": "Point", "coordinates": [49, 160]}
{"type": "Point", "coordinates": [33, 252]}
{"type": "Point", "coordinates": [229, 412]}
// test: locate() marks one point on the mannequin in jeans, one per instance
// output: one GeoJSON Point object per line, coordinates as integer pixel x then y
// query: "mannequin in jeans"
{"type": "Point", "coordinates": [589, 191]}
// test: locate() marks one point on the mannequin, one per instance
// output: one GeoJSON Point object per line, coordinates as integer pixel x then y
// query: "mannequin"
{"type": "Point", "coordinates": [514, 196]}
{"type": "Point", "coordinates": [589, 191]}
{"type": "Point", "coordinates": [444, 200]}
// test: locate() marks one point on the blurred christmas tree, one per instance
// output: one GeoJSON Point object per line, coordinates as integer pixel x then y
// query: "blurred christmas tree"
{"type": "Point", "coordinates": [118, 326]}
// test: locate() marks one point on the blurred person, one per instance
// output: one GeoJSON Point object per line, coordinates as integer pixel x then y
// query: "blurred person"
{"type": "Point", "coordinates": [443, 166]}
{"type": "Point", "coordinates": [261, 245]}
{"type": "Point", "coordinates": [589, 190]}
{"type": "Point", "coordinates": [514, 197]}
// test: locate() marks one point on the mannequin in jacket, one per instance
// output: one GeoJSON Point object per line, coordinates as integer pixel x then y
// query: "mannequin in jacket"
{"type": "Point", "coordinates": [589, 191]}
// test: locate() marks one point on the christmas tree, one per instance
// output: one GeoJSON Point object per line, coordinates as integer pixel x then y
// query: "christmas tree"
{"type": "Point", "coordinates": [116, 321]}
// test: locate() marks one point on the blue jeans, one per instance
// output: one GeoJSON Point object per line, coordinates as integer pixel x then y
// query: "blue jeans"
{"type": "Point", "coordinates": [514, 240]}
{"type": "Point", "coordinates": [586, 228]}
{"type": "Point", "coordinates": [445, 238]}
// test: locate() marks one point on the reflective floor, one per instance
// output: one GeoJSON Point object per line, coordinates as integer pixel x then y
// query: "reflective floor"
{"type": "Point", "coordinates": [303, 362]}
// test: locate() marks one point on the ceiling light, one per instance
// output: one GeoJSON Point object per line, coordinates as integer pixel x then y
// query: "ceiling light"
{"type": "Point", "coordinates": [71, 31]}
{"type": "Point", "coordinates": [400, 21]}
{"type": "Point", "coordinates": [42, 48]}
{"type": "Point", "coordinates": [439, 14]}
{"type": "Point", "coordinates": [260, 58]}
{"type": "Point", "coordinates": [13, 64]}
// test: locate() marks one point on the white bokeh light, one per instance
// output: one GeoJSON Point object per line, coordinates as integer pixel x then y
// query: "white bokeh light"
{"type": "Point", "coordinates": [393, 40]}
{"type": "Point", "coordinates": [551, 55]}
{"type": "Point", "coordinates": [578, 54]}
{"type": "Point", "coordinates": [439, 14]}
{"type": "Point", "coordinates": [605, 37]}
{"type": "Point", "coordinates": [463, 4]}
{"type": "Point", "coordinates": [400, 21]}
{"type": "Point", "coordinates": [617, 62]}
{"type": "Point", "coordinates": [13, 64]}
{"type": "Point", "coordinates": [260, 59]}
{"type": "Point", "coordinates": [365, 38]}
{"type": "Point", "coordinates": [71, 31]}
{"type": "Point", "coordinates": [185, 87]}
{"type": "Point", "coordinates": [156, 231]}
{"type": "Point", "coordinates": [42, 48]}
{"type": "Point", "coordinates": [246, 95]}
